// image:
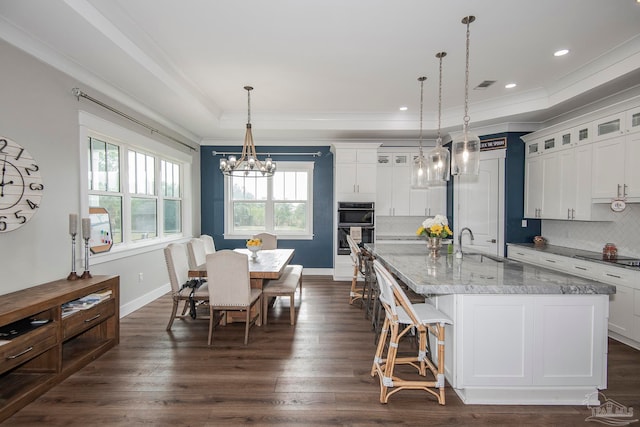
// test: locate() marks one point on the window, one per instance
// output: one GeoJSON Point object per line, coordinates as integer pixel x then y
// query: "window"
{"type": "Point", "coordinates": [146, 201]}
{"type": "Point", "coordinates": [281, 204]}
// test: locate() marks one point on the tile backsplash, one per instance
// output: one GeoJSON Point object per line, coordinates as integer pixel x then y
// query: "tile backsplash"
{"type": "Point", "coordinates": [624, 231]}
{"type": "Point", "coordinates": [398, 225]}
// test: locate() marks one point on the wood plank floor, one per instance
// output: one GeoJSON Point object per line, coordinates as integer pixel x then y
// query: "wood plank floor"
{"type": "Point", "coordinates": [316, 373]}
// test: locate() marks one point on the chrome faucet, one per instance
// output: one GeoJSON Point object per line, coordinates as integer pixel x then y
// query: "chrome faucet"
{"type": "Point", "coordinates": [459, 253]}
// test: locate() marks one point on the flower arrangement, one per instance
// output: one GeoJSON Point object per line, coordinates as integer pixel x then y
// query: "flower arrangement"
{"type": "Point", "coordinates": [254, 242]}
{"type": "Point", "coordinates": [437, 226]}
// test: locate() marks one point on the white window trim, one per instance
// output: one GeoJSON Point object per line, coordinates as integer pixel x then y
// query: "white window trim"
{"type": "Point", "coordinates": [282, 166]}
{"type": "Point", "coordinates": [91, 125]}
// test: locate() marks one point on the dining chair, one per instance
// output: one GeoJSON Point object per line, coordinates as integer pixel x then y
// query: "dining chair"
{"type": "Point", "coordinates": [175, 255]}
{"type": "Point", "coordinates": [197, 253]}
{"type": "Point", "coordinates": [209, 245]}
{"type": "Point", "coordinates": [230, 289]}
{"type": "Point", "coordinates": [286, 285]}
{"type": "Point", "coordinates": [269, 241]}
{"type": "Point", "coordinates": [401, 318]}
{"type": "Point", "coordinates": [357, 291]}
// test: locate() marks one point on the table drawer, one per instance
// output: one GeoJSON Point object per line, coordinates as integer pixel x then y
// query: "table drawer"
{"type": "Point", "coordinates": [85, 319]}
{"type": "Point", "coordinates": [27, 346]}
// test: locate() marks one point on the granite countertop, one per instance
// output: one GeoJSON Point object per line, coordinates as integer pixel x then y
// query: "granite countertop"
{"type": "Point", "coordinates": [574, 253]}
{"type": "Point", "coordinates": [477, 274]}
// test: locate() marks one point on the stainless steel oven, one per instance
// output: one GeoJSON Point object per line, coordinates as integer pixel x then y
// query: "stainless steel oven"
{"type": "Point", "coordinates": [355, 214]}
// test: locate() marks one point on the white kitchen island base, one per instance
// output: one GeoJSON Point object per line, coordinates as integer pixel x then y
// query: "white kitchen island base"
{"type": "Point", "coordinates": [526, 349]}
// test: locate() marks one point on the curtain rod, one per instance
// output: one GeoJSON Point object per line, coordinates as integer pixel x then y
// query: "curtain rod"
{"type": "Point", "coordinates": [226, 153]}
{"type": "Point", "coordinates": [78, 94]}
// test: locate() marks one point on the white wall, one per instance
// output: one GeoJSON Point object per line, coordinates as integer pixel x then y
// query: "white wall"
{"type": "Point", "coordinates": [38, 111]}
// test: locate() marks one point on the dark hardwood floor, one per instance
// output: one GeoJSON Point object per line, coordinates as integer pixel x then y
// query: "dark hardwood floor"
{"type": "Point", "coordinates": [316, 373]}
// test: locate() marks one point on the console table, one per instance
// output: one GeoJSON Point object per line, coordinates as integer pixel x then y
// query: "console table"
{"type": "Point", "coordinates": [40, 347]}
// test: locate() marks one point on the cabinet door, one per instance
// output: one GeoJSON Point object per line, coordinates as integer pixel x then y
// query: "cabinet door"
{"type": "Point", "coordinates": [366, 179]}
{"type": "Point", "coordinates": [621, 318]}
{"type": "Point", "coordinates": [384, 205]}
{"type": "Point", "coordinates": [581, 193]}
{"type": "Point", "coordinates": [345, 178]}
{"type": "Point", "coordinates": [633, 120]}
{"type": "Point", "coordinates": [401, 191]}
{"type": "Point", "coordinates": [533, 187]}
{"type": "Point", "coordinates": [608, 169]}
{"type": "Point", "coordinates": [552, 187]}
{"type": "Point", "coordinates": [437, 201]}
{"type": "Point", "coordinates": [569, 184]}
{"type": "Point", "coordinates": [632, 170]}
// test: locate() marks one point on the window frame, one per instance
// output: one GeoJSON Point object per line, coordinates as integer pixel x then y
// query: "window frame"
{"type": "Point", "coordinates": [283, 166]}
{"type": "Point", "coordinates": [126, 139]}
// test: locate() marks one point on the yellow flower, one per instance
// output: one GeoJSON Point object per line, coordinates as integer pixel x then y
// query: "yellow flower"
{"type": "Point", "coordinates": [421, 231]}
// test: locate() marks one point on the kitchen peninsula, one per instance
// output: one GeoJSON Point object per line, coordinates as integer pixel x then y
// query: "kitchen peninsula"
{"type": "Point", "coordinates": [521, 334]}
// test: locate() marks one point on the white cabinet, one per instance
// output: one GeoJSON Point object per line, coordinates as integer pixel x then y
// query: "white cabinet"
{"type": "Point", "coordinates": [533, 187]}
{"type": "Point", "coordinates": [395, 197]}
{"type": "Point", "coordinates": [633, 120]}
{"type": "Point", "coordinates": [615, 169]}
{"type": "Point", "coordinates": [355, 178]}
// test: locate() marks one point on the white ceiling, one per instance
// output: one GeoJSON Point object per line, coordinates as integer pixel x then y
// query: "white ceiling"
{"type": "Point", "coordinates": [332, 68]}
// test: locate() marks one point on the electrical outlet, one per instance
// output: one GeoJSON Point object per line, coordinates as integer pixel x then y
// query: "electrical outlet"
{"type": "Point", "coordinates": [524, 223]}
{"type": "Point", "coordinates": [140, 277]}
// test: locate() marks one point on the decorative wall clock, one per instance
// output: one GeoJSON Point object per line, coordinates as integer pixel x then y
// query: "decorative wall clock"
{"type": "Point", "coordinates": [21, 186]}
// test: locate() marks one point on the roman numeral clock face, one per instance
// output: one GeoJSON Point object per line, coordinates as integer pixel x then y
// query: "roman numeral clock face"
{"type": "Point", "coordinates": [20, 186]}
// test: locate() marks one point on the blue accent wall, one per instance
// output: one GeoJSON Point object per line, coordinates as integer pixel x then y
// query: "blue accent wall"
{"type": "Point", "coordinates": [514, 191]}
{"type": "Point", "coordinates": [316, 253]}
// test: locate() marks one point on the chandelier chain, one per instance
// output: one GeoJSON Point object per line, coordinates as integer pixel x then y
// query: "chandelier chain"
{"type": "Point", "coordinates": [421, 80]}
{"type": "Point", "coordinates": [440, 55]}
{"type": "Point", "coordinates": [466, 77]}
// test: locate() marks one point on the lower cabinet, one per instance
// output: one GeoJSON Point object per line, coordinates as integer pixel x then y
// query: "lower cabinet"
{"type": "Point", "coordinates": [45, 343]}
{"type": "Point", "coordinates": [624, 305]}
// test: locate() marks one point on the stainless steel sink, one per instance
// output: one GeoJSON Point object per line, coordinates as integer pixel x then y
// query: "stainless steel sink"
{"type": "Point", "coordinates": [480, 257]}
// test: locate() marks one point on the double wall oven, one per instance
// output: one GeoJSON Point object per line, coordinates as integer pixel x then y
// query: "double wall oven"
{"type": "Point", "coordinates": [355, 214]}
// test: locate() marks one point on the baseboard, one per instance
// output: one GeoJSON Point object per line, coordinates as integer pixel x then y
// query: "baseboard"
{"type": "Point", "coordinates": [317, 271]}
{"type": "Point", "coordinates": [143, 300]}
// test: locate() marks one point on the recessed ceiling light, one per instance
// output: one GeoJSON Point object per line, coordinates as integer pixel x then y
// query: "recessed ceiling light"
{"type": "Point", "coordinates": [404, 108]}
{"type": "Point", "coordinates": [510, 85]}
{"type": "Point", "coordinates": [561, 52]}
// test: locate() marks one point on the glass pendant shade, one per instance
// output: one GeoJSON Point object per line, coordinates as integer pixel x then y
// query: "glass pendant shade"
{"type": "Point", "coordinates": [419, 172]}
{"type": "Point", "coordinates": [465, 150]}
{"type": "Point", "coordinates": [438, 165]}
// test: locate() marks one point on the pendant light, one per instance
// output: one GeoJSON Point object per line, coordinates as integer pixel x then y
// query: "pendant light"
{"type": "Point", "coordinates": [419, 167]}
{"type": "Point", "coordinates": [438, 158]}
{"type": "Point", "coordinates": [248, 165]}
{"type": "Point", "coordinates": [466, 147]}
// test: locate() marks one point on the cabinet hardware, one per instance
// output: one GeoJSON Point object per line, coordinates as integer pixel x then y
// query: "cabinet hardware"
{"type": "Point", "coordinates": [15, 356]}
{"type": "Point", "coordinates": [618, 192]}
{"type": "Point", "coordinates": [92, 319]}
{"type": "Point", "coordinates": [551, 261]}
{"type": "Point", "coordinates": [624, 194]}
{"type": "Point", "coordinates": [568, 213]}
{"type": "Point", "coordinates": [612, 275]}
{"type": "Point", "coordinates": [579, 268]}
{"type": "Point", "coordinates": [573, 214]}
{"type": "Point", "coordinates": [491, 240]}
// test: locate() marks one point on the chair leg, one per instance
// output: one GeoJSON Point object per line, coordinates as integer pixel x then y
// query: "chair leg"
{"type": "Point", "coordinates": [265, 309]}
{"type": "Point", "coordinates": [173, 314]}
{"type": "Point", "coordinates": [387, 379]}
{"type": "Point", "coordinates": [377, 358]}
{"type": "Point", "coordinates": [211, 316]}
{"type": "Point", "coordinates": [354, 295]}
{"type": "Point", "coordinates": [292, 309]}
{"type": "Point", "coordinates": [246, 327]}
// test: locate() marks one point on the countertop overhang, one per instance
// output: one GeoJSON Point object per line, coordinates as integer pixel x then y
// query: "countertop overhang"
{"type": "Point", "coordinates": [477, 274]}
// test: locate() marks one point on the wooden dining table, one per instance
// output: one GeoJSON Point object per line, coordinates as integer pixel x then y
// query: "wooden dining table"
{"type": "Point", "coordinates": [269, 264]}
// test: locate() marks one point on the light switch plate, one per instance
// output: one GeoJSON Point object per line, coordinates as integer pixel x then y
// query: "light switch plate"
{"type": "Point", "coordinates": [524, 223]}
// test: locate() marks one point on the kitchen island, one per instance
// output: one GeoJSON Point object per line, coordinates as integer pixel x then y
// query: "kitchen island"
{"type": "Point", "coordinates": [521, 334]}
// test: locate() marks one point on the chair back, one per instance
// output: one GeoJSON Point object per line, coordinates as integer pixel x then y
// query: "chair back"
{"type": "Point", "coordinates": [228, 278]}
{"type": "Point", "coordinates": [197, 254]}
{"type": "Point", "coordinates": [269, 241]}
{"type": "Point", "coordinates": [386, 291]}
{"type": "Point", "coordinates": [356, 253]}
{"type": "Point", "coordinates": [175, 255]}
{"type": "Point", "coordinates": [209, 245]}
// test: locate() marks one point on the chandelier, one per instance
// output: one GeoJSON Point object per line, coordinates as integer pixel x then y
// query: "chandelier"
{"type": "Point", "coordinates": [419, 167]}
{"type": "Point", "coordinates": [248, 164]}
{"type": "Point", "coordinates": [466, 147]}
{"type": "Point", "coordinates": [438, 158]}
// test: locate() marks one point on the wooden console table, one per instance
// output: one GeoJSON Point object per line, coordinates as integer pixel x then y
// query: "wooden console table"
{"type": "Point", "coordinates": [39, 347]}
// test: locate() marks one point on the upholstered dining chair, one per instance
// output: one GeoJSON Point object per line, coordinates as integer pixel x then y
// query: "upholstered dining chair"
{"type": "Point", "coordinates": [230, 289]}
{"type": "Point", "coordinates": [402, 317]}
{"type": "Point", "coordinates": [269, 241]}
{"type": "Point", "coordinates": [197, 253]}
{"type": "Point", "coordinates": [285, 286]}
{"type": "Point", "coordinates": [175, 255]}
{"type": "Point", "coordinates": [209, 245]}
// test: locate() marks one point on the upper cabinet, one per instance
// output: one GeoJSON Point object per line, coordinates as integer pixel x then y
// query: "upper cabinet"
{"type": "Point", "coordinates": [355, 173]}
{"type": "Point", "coordinates": [395, 197]}
{"type": "Point", "coordinates": [570, 169]}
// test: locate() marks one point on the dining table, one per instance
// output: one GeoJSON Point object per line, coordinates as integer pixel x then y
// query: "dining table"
{"type": "Point", "coordinates": [268, 264]}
